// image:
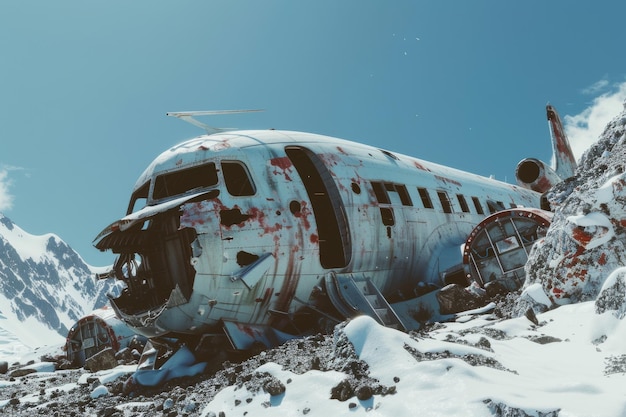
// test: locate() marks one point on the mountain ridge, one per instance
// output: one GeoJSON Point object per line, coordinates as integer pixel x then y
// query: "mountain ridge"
{"type": "Point", "coordinates": [43, 278]}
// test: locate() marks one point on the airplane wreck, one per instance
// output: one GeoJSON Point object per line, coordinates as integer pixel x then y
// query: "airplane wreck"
{"type": "Point", "coordinates": [257, 236]}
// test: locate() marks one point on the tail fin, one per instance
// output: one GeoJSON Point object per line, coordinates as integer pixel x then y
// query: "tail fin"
{"type": "Point", "coordinates": [564, 161]}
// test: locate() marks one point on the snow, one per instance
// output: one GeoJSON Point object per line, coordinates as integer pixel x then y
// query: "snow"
{"type": "Point", "coordinates": [535, 291]}
{"type": "Point", "coordinates": [100, 391]}
{"type": "Point", "coordinates": [469, 368]}
{"type": "Point", "coordinates": [27, 246]}
{"type": "Point", "coordinates": [567, 374]}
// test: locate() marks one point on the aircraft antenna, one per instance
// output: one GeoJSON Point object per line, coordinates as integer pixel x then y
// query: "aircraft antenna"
{"type": "Point", "coordinates": [189, 117]}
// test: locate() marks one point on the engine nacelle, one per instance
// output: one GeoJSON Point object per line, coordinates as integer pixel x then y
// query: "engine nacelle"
{"type": "Point", "coordinates": [536, 175]}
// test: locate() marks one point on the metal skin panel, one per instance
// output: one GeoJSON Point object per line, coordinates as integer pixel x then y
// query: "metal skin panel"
{"type": "Point", "coordinates": [279, 220]}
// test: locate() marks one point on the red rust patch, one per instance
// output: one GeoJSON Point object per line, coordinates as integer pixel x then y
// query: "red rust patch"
{"type": "Point", "coordinates": [283, 165]}
{"type": "Point", "coordinates": [420, 166]}
{"type": "Point", "coordinates": [448, 180]}
{"type": "Point", "coordinates": [581, 236]}
{"type": "Point", "coordinates": [304, 214]}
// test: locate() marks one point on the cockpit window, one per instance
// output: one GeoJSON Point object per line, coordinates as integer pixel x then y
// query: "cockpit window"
{"type": "Point", "coordinates": [237, 179]}
{"type": "Point", "coordinates": [180, 182]}
{"type": "Point", "coordinates": [139, 198]}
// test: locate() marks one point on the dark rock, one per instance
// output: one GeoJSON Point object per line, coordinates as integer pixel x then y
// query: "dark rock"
{"type": "Point", "coordinates": [544, 340]}
{"type": "Point", "coordinates": [274, 387]}
{"type": "Point", "coordinates": [530, 315]}
{"type": "Point", "coordinates": [364, 392]}
{"type": "Point", "coordinates": [105, 359]}
{"type": "Point", "coordinates": [342, 391]}
{"type": "Point", "coordinates": [21, 372]}
{"type": "Point", "coordinates": [453, 299]}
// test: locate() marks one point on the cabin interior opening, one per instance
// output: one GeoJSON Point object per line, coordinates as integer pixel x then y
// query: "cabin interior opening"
{"type": "Point", "coordinates": [330, 217]}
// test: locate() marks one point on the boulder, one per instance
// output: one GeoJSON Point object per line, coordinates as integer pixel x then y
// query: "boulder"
{"type": "Point", "coordinates": [105, 359]}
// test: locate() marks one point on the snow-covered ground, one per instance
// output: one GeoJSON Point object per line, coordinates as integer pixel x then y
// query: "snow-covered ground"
{"type": "Point", "coordinates": [573, 363]}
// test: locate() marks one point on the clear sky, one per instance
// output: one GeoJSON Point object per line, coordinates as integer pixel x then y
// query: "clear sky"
{"type": "Point", "coordinates": [85, 85]}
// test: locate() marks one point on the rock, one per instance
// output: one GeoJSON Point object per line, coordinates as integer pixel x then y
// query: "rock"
{"type": "Point", "coordinates": [612, 297]}
{"type": "Point", "coordinates": [587, 236]}
{"type": "Point", "coordinates": [4, 367]}
{"type": "Point", "coordinates": [454, 298]}
{"type": "Point", "coordinates": [105, 359]}
{"type": "Point", "coordinates": [342, 391]}
{"type": "Point", "coordinates": [364, 392]}
{"type": "Point", "coordinates": [21, 372]}
{"type": "Point", "coordinates": [274, 387]}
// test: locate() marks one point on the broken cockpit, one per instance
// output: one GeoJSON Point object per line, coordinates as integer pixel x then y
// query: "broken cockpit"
{"type": "Point", "coordinates": [154, 252]}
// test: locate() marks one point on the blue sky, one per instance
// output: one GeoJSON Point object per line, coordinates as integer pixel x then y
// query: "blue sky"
{"type": "Point", "coordinates": [85, 85]}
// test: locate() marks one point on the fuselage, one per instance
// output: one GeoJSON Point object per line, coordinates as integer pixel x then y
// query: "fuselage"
{"type": "Point", "coordinates": [232, 226]}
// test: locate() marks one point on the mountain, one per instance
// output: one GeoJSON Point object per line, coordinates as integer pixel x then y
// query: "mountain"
{"type": "Point", "coordinates": [45, 286]}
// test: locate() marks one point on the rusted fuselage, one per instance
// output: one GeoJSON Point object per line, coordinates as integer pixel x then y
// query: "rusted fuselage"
{"type": "Point", "coordinates": [235, 226]}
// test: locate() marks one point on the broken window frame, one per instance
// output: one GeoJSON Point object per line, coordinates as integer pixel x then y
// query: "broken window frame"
{"type": "Point", "coordinates": [183, 181]}
{"type": "Point", "coordinates": [141, 194]}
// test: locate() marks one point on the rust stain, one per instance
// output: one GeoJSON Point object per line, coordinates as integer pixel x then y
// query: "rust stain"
{"type": "Point", "coordinates": [283, 166]}
{"type": "Point", "coordinates": [581, 236]}
{"type": "Point", "coordinates": [447, 180]}
{"type": "Point", "coordinates": [288, 290]}
{"type": "Point", "coordinates": [304, 214]}
{"type": "Point", "coordinates": [420, 166]}
{"type": "Point", "coordinates": [258, 215]}
{"type": "Point", "coordinates": [330, 159]}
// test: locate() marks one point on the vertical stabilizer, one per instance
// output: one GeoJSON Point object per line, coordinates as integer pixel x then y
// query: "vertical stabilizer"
{"type": "Point", "coordinates": [564, 161]}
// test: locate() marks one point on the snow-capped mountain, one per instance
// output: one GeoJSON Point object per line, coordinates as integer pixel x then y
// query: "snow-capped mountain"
{"type": "Point", "coordinates": [45, 286]}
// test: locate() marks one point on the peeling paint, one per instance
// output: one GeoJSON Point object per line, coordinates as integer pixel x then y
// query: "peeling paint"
{"type": "Point", "coordinates": [283, 166]}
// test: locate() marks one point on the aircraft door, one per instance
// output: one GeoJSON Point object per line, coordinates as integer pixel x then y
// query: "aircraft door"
{"type": "Point", "coordinates": [335, 246]}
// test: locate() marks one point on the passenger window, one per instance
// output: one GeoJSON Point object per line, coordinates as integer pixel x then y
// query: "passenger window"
{"type": "Point", "coordinates": [380, 192]}
{"type": "Point", "coordinates": [463, 203]}
{"type": "Point", "coordinates": [180, 182]}
{"type": "Point", "coordinates": [404, 195]}
{"type": "Point", "coordinates": [237, 179]}
{"type": "Point", "coordinates": [426, 201]}
{"type": "Point", "coordinates": [478, 206]}
{"type": "Point", "coordinates": [445, 201]}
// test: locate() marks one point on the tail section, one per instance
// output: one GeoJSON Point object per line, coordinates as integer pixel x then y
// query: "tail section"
{"type": "Point", "coordinates": [564, 161]}
{"type": "Point", "coordinates": [538, 176]}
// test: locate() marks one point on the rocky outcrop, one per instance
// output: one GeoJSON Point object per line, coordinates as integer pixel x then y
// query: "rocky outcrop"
{"type": "Point", "coordinates": [587, 237]}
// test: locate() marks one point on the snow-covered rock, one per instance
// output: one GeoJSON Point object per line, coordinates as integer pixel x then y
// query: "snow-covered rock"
{"type": "Point", "coordinates": [587, 237]}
